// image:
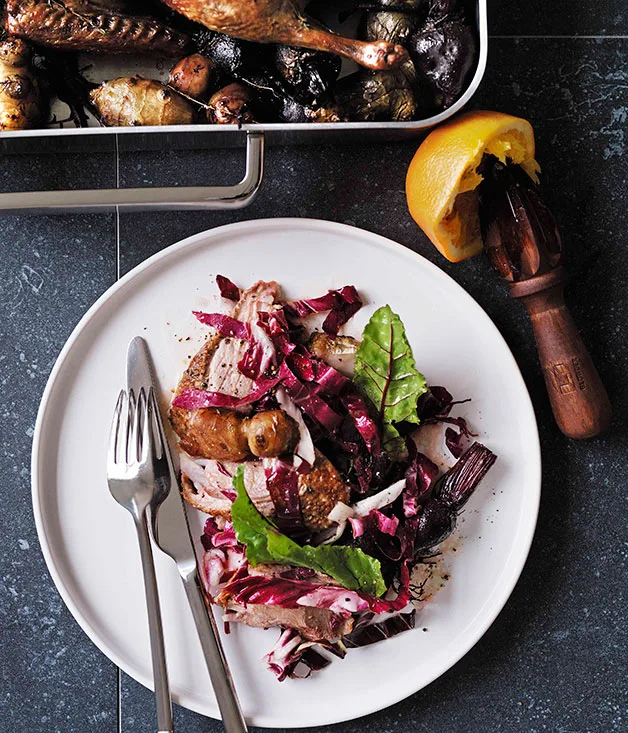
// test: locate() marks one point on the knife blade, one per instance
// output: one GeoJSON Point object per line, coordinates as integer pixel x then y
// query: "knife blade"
{"type": "Point", "coordinates": [172, 535]}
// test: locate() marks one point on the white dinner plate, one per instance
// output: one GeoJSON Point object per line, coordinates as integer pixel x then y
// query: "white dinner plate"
{"type": "Point", "coordinates": [89, 541]}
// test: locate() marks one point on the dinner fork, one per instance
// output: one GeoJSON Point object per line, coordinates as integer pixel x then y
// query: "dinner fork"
{"type": "Point", "coordinates": [139, 478]}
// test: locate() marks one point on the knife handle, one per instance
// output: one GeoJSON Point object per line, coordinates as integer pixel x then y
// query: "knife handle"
{"type": "Point", "coordinates": [220, 676]}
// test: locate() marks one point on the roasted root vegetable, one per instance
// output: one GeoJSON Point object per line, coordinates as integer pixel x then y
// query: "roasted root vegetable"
{"type": "Point", "coordinates": [231, 105]}
{"type": "Point", "coordinates": [293, 111]}
{"type": "Point", "coordinates": [270, 433]}
{"type": "Point", "coordinates": [21, 104]}
{"type": "Point", "coordinates": [310, 75]}
{"type": "Point", "coordinates": [389, 25]}
{"type": "Point", "coordinates": [131, 101]}
{"type": "Point", "coordinates": [65, 26]}
{"type": "Point", "coordinates": [194, 76]}
{"type": "Point", "coordinates": [445, 52]}
{"type": "Point", "coordinates": [369, 96]}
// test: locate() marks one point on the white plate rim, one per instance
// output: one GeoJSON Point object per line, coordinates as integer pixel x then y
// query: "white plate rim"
{"type": "Point", "coordinates": [324, 226]}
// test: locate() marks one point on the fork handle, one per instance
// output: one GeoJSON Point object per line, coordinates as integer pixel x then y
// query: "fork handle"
{"type": "Point", "coordinates": [157, 649]}
{"type": "Point", "coordinates": [219, 674]}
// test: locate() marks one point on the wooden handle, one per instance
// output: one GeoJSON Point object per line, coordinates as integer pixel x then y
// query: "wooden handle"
{"type": "Point", "coordinates": [579, 400]}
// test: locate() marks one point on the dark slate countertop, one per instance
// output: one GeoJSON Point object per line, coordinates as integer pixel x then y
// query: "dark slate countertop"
{"type": "Point", "coordinates": [554, 659]}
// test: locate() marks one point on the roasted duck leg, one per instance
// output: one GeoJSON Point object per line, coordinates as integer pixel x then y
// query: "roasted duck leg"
{"type": "Point", "coordinates": [281, 21]}
{"type": "Point", "coordinates": [78, 26]}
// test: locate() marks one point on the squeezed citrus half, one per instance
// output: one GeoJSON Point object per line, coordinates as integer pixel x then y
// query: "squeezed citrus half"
{"type": "Point", "coordinates": [442, 180]}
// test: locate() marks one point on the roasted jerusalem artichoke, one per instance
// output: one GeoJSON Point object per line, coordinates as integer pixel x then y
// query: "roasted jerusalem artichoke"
{"type": "Point", "coordinates": [131, 101]}
{"type": "Point", "coordinates": [194, 76]}
{"type": "Point", "coordinates": [225, 435]}
{"type": "Point", "coordinates": [232, 105]}
{"type": "Point", "coordinates": [21, 104]}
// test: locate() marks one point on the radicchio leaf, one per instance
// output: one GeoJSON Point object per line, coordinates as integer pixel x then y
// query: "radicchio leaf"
{"type": "Point", "coordinates": [294, 657]}
{"type": "Point", "coordinates": [287, 593]}
{"type": "Point", "coordinates": [225, 325]}
{"type": "Point", "coordinates": [362, 420]}
{"type": "Point", "coordinates": [420, 476]}
{"type": "Point", "coordinates": [342, 304]}
{"type": "Point", "coordinates": [305, 456]}
{"type": "Point", "coordinates": [306, 397]}
{"type": "Point", "coordinates": [283, 657]}
{"type": "Point", "coordinates": [283, 487]}
{"type": "Point", "coordinates": [196, 399]}
{"type": "Point", "coordinates": [228, 289]}
{"type": "Point", "coordinates": [434, 401]}
{"type": "Point", "coordinates": [215, 537]}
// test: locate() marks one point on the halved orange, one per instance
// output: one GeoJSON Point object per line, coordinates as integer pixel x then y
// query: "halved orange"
{"type": "Point", "coordinates": [443, 176]}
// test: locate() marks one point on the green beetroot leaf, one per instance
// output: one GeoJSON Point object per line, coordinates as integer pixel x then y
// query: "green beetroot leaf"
{"type": "Point", "coordinates": [386, 372]}
{"type": "Point", "coordinates": [265, 544]}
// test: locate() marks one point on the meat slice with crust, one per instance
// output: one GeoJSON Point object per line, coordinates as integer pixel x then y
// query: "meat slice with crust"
{"type": "Point", "coordinates": [314, 624]}
{"type": "Point", "coordinates": [215, 433]}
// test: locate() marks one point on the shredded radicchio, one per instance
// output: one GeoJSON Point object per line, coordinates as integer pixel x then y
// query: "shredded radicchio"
{"type": "Point", "coordinates": [342, 304]}
{"type": "Point", "coordinates": [225, 325]}
{"type": "Point", "coordinates": [290, 653]}
{"type": "Point", "coordinates": [215, 537]}
{"type": "Point", "coordinates": [228, 289]}
{"type": "Point", "coordinates": [420, 475]}
{"type": "Point", "coordinates": [196, 399]}
{"type": "Point", "coordinates": [294, 593]}
{"type": "Point", "coordinates": [282, 483]}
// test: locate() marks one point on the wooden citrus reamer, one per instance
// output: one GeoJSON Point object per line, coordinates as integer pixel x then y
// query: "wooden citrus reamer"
{"type": "Point", "coordinates": [524, 247]}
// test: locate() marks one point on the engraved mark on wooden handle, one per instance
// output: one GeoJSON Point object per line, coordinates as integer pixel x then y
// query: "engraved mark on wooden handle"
{"type": "Point", "coordinates": [566, 375]}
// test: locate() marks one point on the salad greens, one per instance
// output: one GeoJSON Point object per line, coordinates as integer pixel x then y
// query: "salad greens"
{"type": "Point", "coordinates": [265, 544]}
{"type": "Point", "coordinates": [385, 371]}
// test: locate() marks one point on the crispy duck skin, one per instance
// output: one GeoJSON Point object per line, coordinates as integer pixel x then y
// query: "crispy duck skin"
{"type": "Point", "coordinates": [63, 26]}
{"type": "Point", "coordinates": [282, 21]}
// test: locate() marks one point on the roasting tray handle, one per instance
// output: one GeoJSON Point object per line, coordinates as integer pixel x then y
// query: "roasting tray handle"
{"type": "Point", "coordinates": [137, 199]}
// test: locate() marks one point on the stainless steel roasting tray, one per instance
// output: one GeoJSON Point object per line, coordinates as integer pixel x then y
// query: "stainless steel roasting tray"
{"type": "Point", "coordinates": [256, 136]}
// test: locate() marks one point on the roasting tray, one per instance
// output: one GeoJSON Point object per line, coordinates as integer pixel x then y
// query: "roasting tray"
{"type": "Point", "coordinates": [255, 137]}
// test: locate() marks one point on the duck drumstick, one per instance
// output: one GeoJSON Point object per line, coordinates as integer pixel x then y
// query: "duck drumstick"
{"type": "Point", "coordinates": [524, 247]}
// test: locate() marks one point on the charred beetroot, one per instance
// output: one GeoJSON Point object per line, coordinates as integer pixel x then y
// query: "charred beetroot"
{"type": "Point", "coordinates": [445, 53]}
{"type": "Point", "coordinates": [437, 517]}
{"type": "Point", "coordinates": [310, 75]}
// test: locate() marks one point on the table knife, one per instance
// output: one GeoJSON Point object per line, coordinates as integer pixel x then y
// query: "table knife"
{"type": "Point", "coordinates": [172, 535]}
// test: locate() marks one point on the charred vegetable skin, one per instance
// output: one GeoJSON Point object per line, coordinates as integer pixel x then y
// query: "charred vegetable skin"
{"type": "Point", "coordinates": [445, 52]}
{"type": "Point", "coordinates": [58, 24]}
{"type": "Point", "coordinates": [131, 101]}
{"type": "Point", "coordinates": [263, 76]}
{"type": "Point", "coordinates": [21, 104]}
{"type": "Point", "coordinates": [310, 75]}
